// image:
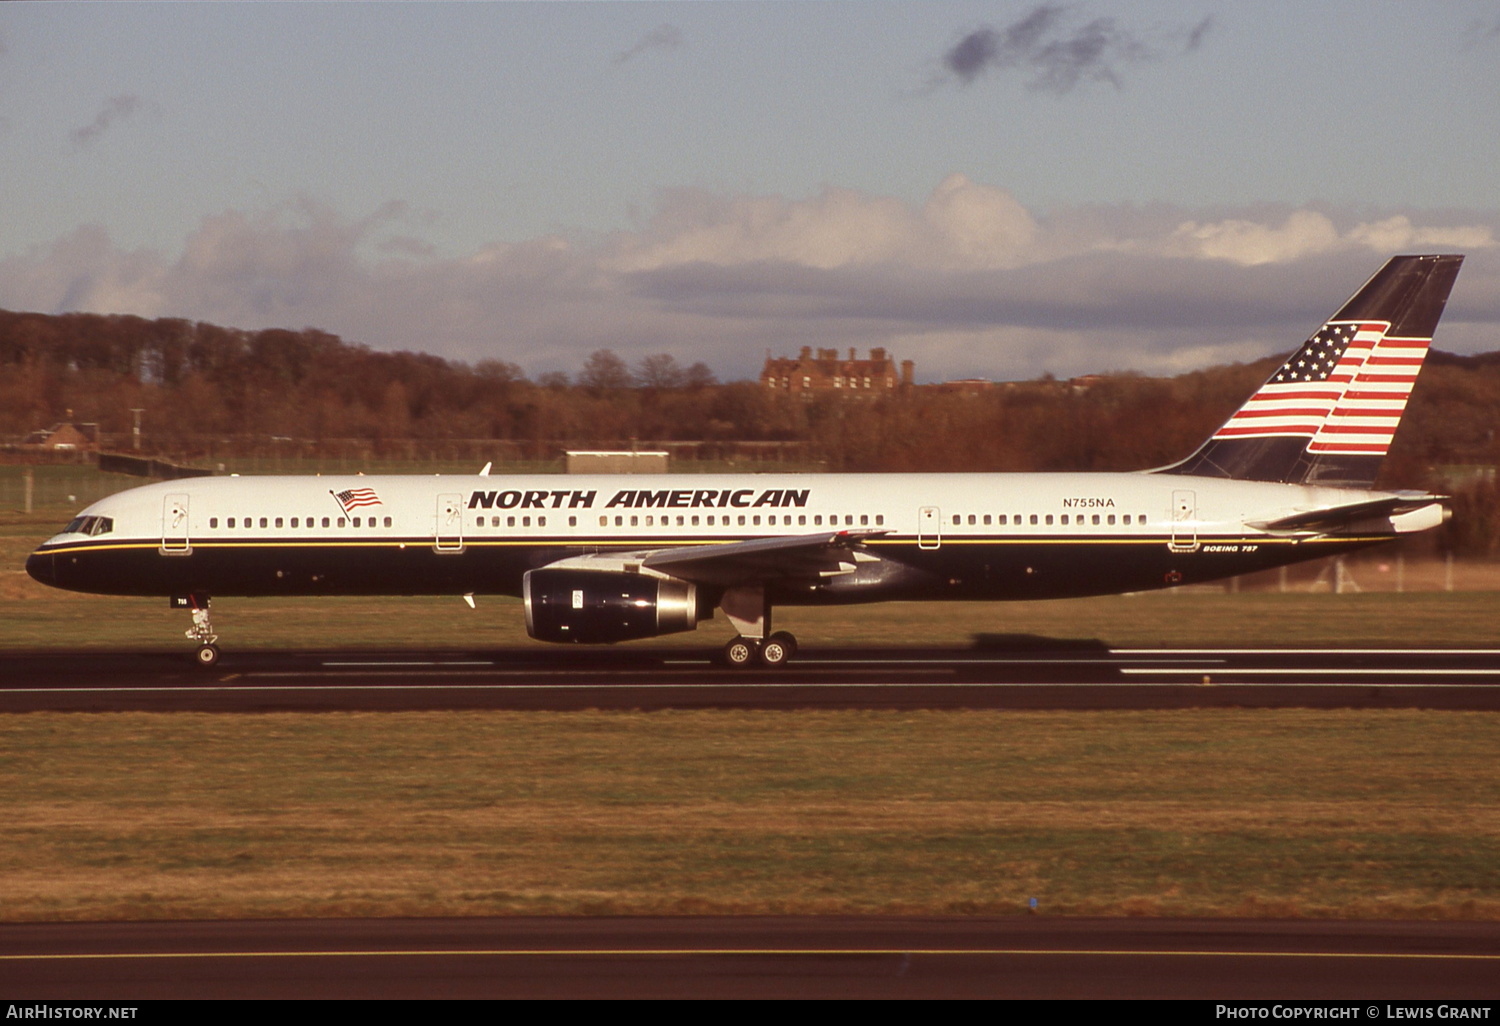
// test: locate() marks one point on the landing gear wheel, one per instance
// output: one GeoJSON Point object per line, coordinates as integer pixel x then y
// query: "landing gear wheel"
{"type": "Point", "coordinates": [773, 653]}
{"type": "Point", "coordinates": [786, 641]}
{"type": "Point", "coordinates": [207, 655]}
{"type": "Point", "coordinates": [739, 653]}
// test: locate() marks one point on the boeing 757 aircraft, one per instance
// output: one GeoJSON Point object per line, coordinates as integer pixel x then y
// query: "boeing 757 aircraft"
{"type": "Point", "coordinates": [605, 559]}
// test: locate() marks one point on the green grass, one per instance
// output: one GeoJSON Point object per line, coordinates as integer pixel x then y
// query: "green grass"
{"type": "Point", "coordinates": [1179, 813]}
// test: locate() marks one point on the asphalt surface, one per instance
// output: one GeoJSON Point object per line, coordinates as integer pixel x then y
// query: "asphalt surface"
{"type": "Point", "coordinates": [693, 957]}
{"type": "Point", "coordinates": [1001, 674]}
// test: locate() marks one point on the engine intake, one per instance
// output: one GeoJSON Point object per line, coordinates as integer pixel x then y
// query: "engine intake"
{"type": "Point", "coordinates": [593, 606]}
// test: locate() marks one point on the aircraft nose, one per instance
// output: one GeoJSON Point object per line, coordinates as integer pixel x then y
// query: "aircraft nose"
{"type": "Point", "coordinates": [39, 566]}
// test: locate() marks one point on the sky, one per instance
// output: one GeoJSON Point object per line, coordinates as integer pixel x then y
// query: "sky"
{"type": "Point", "coordinates": [993, 190]}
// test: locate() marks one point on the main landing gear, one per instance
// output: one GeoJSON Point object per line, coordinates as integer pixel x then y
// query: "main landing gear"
{"type": "Point", "coordinates": [750, 613]}
{"type": "Point", "coordinates": [772, 652]}
{"type": "Point", "coordinates": [202, 630]}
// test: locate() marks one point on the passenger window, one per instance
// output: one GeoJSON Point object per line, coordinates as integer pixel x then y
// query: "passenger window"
{"type": "Point", "coordinates": [864, 520]}
{"type": "Point", "coordinates": [695, 519]}
{"type": "Point", "coordinates": [986, 520]}
{"type": "Point", "coordinates": [541, 521]}
{"type": "Point", "coordinates": [343, 522]}
{"type": "Point", "coordinates": [213, 521]}
{"type": "Point", "coordinates": [1033, 519]}
{"type": "Point", "coordinates": [510, 521]}
{"type": "Point", "coordinates": [388, 521]}
{"type": "Point", "coordinates": [525, 521]}
{"type": "Point", "coordinates": [1001, 520]}
{"type": "Point", "coordinates": [604, 521]}
{"type": "Point", "coordinates": [356, 522]}
{"type": "Point", "coordinates": [818, 520]}
{"type": "Point", "coordinates": [801, 519]}
{"type": "Point", "coordinates": [294, 521]}
{"type": "Point", "coordinates": [262, 521]}
{"type": "Point", "coordinates": [755, 520]}
{"type": "Point", "coordinates": [325, 521]}
{"type": "Point", "coordinates": [879, 519]}
{"type": "Point", "coordinates": [279, 522]}
{"type": "Point", "coordinates": [957, 520]}
{"type": "Point", "coordinates": [1111, 520]}
{"type": "Point", "coordinates": [635, 521]}
{"type": "Point", "coordinates": [1096, 520]}
{"type": "Point", "coordinates": [1064, 520]}
{"type": "Point", "coordinates": [742, 520]}
{"type": "Point", "coordinates": [572, 521]}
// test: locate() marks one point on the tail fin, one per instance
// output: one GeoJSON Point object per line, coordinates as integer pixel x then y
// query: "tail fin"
{"type": "Point", "coordinates": [1328, 414]}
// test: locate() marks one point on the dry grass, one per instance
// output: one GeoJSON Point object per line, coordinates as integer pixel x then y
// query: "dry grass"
{"type": "Point", "coordinates": [1263, 813]}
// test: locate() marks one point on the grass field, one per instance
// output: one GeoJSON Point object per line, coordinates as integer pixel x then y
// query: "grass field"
{"type": "Point", "coordinates": [1265, 813]}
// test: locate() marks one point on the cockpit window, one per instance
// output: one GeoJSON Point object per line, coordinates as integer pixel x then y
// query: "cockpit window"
{"type": "Point", "coordinates": [90, 525]}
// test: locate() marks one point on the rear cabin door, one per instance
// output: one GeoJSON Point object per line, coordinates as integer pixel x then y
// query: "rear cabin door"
{"type": "Point", "coordinates": [1184, 521]}
{"type": "Point", "coordinates": [929, 527]}
{"type": "Point", "coordinates": [450, 523]}
{"type": "Point", "coordinates": [174, 526]}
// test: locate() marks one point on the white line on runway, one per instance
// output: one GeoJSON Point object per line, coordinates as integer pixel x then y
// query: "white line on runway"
{"type": "Point", "coordinates": [429, 662]}
{"type": "Point", "coordinates": [1387, 652]}
{"type": "Point", "coordinates": [697, 688]}
{"type": "Point", "coordinates": [1325, 671]}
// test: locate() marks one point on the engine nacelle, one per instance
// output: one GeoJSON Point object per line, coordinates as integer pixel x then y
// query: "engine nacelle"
{"type": "Point", "coordinates": [592, 606]}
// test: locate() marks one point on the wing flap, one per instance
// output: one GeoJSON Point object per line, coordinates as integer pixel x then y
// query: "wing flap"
{"type": "Point", "coordinates": [762, 559]}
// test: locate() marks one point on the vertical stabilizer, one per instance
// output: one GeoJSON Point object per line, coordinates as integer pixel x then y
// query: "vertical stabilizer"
{"type": "Point", "coordinates": [1328, 414]}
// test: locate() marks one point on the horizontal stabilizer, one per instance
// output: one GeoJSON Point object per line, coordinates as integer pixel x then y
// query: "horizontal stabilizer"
{"type": "Point", "coordinates": [1334, 518]}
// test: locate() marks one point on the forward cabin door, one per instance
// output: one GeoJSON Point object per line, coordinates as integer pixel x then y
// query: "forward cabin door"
{"type": "Point", "coordinates": [450, 523]}
{"type": "Point", "coordinates": [1184, 521]}
{"type": "Point", "coordinates": [174, 526]}
{"type": "Point", "coordinates": [929, 527]}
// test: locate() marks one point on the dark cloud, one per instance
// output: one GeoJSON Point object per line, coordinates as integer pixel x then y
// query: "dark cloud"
{"type": "Point", "coordinates": [1197, 32]}
{"type": "Point", "coordinates": [1057, 55]}
{"type": "Point", "coordinates": [663, 37]}
{"type": "Point", "coordinates": [115, 109]}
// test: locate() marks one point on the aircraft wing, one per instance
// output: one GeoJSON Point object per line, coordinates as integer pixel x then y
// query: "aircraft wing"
{"type": "Point", "coordinates": [762, 559]}
{"type": "Point", "coordinates": [1334, 518]}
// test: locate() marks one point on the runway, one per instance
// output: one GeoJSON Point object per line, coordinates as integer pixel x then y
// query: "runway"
{"type": "Point", "coordinates": [999, 674]}
{"type": "Point", "coordinates": [696, 957]}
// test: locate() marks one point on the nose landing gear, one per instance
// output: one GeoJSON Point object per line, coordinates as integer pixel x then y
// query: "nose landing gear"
{"type": "Point", "coordinates": [202, 630]}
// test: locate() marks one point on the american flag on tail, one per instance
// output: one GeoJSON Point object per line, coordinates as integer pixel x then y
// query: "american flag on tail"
{"type": "Point", "coordinates": [353, 498]}
{"type": "Point", "coordinates": [1344, 390]}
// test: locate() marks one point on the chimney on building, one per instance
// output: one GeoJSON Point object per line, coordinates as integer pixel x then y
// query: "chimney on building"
{"type": "Point", "coordinates": [908, 371]}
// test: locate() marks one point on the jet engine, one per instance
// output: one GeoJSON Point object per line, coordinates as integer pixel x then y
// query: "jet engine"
{"type": "Point", "coordinates": [592, 606]}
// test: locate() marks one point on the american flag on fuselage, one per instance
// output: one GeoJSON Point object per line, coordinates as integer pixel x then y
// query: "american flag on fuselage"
{"type": "Point", "coordinates": [1344, 390]}
{"type": "Point", "coordinates": [353, 498]}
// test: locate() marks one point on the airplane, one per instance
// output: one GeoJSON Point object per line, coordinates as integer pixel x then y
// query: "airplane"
{"type": "Point", "coordinates": [599, 559]}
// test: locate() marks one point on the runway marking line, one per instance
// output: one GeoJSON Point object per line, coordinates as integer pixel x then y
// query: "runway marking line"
{"type": "Point", "coordinates": [1308, 651]}
{"type": "Point", "coordinates": [720, 952]}
{"type": "Point", "coordinates": [1322, 671]}
{"type": "Point", "coordinates": [704, 688]}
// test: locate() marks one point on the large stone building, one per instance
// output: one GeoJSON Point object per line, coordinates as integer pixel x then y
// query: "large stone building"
{"type": "Point", "coordinates": [825, 373]}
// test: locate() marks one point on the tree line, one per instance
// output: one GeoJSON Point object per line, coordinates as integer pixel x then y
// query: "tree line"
{"type": "Point", "coordinates": [200, 381]}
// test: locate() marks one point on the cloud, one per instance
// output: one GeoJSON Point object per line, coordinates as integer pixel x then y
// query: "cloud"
{"type": "Point", "coordinates": [116, 108]}
{"type": "Point", "coordinates": [1056, 56]}
{"type": "Point", "coordinates": [967, 282]}
{"type": "Point", "coordinates": [663, 37]}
